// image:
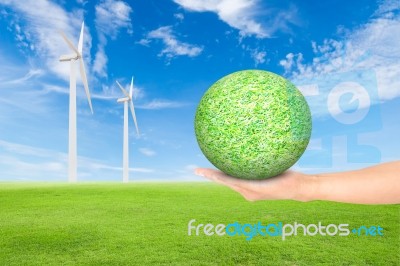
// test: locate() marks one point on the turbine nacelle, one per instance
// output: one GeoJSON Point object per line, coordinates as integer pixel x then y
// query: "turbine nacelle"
{"type": "Point", "coordinates": [122, 100]}
{"type": "Point", "coordinates": [69, 57]}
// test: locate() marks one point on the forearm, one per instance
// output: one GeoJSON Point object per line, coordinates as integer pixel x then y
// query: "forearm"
{"type": "Point", "coordinates": [378, 184]}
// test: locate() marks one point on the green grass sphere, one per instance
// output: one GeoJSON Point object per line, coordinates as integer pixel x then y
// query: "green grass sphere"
{"type": "Point", "coordinates": [253, 124]}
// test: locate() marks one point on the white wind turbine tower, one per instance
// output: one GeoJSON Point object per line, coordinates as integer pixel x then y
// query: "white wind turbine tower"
{"type": "Point", "coordinates": [72, 58]}
{"type": "Point", "coordinates": [127, 100]}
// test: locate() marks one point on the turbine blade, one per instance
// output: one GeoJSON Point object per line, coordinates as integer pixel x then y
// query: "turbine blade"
{"type": "Point", "coordinates": [80, 43]}
{"type": "Point", "coordinates": [85, 82]}
{"type": "Point", "coordinates": [122, 89]}
{"type": "Point", "coordinates": [69, 43]}
{"type": "Point", "coordinates": [133, 115]}
{"type": "Point", "coordinates": [131, 89]}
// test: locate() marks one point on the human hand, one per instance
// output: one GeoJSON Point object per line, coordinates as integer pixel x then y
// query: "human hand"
{"type": "Point", "coordinates": [288, 185]}
{"type": "Point", "coordinates": [380, 185]}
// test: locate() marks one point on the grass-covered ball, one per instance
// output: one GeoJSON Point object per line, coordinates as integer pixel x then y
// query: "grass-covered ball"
{"type": "Point", "coordinates": [253, 124]}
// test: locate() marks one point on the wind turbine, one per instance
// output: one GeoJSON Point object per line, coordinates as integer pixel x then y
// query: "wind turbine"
{"type": "Point", "coordinates": [127, 100]}
{"type": "Point", "coordinates": [72, 58]}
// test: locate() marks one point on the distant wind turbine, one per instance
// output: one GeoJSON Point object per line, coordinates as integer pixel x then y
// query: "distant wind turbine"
{"type": "Point", "coordinates": [72, 58]}
{"type": "Point", "coordinates": [127, 100]}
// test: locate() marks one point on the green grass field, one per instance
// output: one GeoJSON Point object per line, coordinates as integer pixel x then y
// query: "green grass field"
{"type": "Point", "coordinates": [146, 224]}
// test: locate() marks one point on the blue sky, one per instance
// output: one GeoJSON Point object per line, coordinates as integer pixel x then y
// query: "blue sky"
{"type": "Point", "coordinates": [343, 55]}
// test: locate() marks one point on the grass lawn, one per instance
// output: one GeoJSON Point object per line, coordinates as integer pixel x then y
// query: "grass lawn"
{"type": "Point", "coordinates": [146, 224]}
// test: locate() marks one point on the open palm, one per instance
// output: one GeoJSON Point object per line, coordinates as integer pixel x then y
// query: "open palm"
{"type": "Point", "coordinates": [287, 185]}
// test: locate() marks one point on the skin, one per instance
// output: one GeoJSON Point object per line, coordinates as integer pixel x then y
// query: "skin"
{"type": "Point", "coordinates": [379, 184]}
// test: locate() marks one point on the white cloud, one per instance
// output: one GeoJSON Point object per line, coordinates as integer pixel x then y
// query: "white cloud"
{"type": "Point", "coordinates": [82, 2]}
{"type": "Point", "coordinates": [57, 89]}
{"type": "Point", "coordinates": [111, 17]}
{"type": "Point", "coordinates": [39, 32]}
{"type": "Point", "coordinates": [94, 165]}
{"type": "Point", "coordinates": [179, 16]}
{"type": "Point", "coordinates": [28, 150]}
{"type": "Point", "coordinates": [147, 152]}
{"type": "Point", "coordinates": [241, 14]}
{"type": "Point", "coordinates": [172, 46]}
{"type": "Point", "coordinates": [100, 62]}
{"type": "Point", "coordinates": [36, 25]}
{"type": "Point", "coordinates": [257, 54]}
{"type": "Point", "coordinates": [24, 162]}
{"type": "Point", "coordinates": [161, 104]}
{"type": "Point", "coordinates": [32, 73]}
{"type": "Point", "coordinates": [387, 8]}
{"type": "Point", "coordinates": [139, 170]}
{"type": "Point", "coordinates": [144, 42]}
{"type": "Point", "coordinates": [259, 57]}
{"type": "Point", "coordinates": [21, 92]}
{"type": "Point", "coordinates": [290, 61]}
{"type": "Point", "coordinates": [27, 162]}
{"type": "Point", "coordinates": [15, 168]}
{"type": "Point", "coordinates": [373, 46]}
